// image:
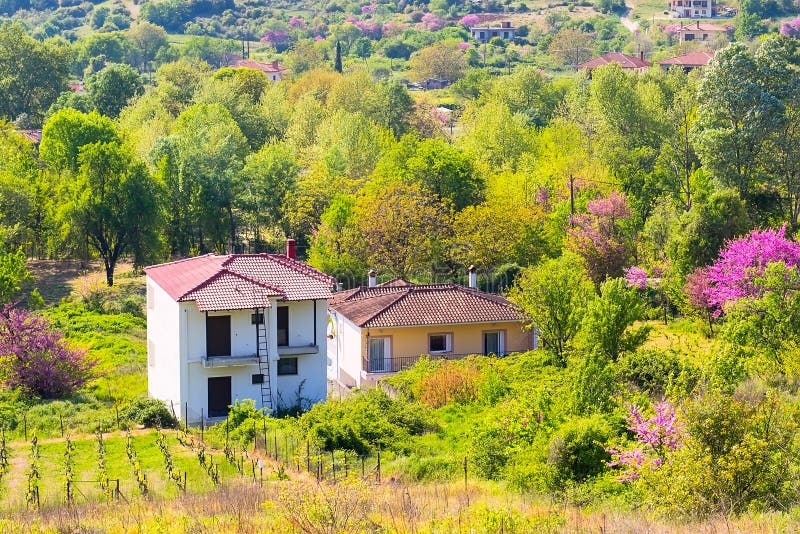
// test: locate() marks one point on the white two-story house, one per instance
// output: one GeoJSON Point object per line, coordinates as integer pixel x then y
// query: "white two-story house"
{"type": "Point", "coordinates": [234, 327]}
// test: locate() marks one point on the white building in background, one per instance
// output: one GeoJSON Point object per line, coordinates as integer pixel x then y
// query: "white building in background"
{"type": "Point", "coordinates": [235, 327]}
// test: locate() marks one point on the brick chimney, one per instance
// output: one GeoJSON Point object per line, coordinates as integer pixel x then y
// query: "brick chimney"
{"type": "Point", "coordinates": [291, 249]}
{"type": "Point", "coordinates": [373, 278]}
{"type": "Point", "coordinates": [641, 55]}
{"type": "Point", "coordinates": [473, 277]}
{"type": "Point", "coordinates": [698, 24]}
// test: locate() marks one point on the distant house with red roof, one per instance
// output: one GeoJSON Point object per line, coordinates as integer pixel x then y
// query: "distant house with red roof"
{"type": "Point", "coordinates": [235, 327]}
{"type": "Point", "coordinates": [692, 8]}
{"type": "Point", "coordinates": [699, 31]}
{"type": "Point", "coordinates": [623, 60]}
{"type": "Point", "coordinates": [274, 70]}
{"type": "Point", "coordinates": [384, 328]}
{"type": "Point", "coordinates": [689, 61]}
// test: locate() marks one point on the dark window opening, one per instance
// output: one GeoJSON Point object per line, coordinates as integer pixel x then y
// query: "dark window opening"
{"type": "Point", "coordinates": [287, 366]}
{"type": "Point", "coordinates": [283, 326]}
{"type": "Point", "coordinates": [218, 335]}
{"type": "Point", "coordinates": [258, 379]}
{"type": "Point", "coordinates": [257, 318]}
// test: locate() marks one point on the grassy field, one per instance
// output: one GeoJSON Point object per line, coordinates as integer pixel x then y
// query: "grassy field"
{"type": "Point", "coordinates": [85, 465]}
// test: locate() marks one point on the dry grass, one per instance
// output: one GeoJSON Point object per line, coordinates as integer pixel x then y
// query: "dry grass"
{"type": "Point", "coordinates": [305, 506]}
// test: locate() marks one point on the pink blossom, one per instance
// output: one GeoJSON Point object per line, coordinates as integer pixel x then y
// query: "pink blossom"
{"type": "Point", "coordinates": [297, 22]}
{"type": "Point", "coordinates": [369, 8]}
{"type": "Point", "coordinates": [351, 19]}
{"type": "Point", "coordinates": [319, 38]}
{"type": "Point", "coordinates": [791, 28]}
{"type": "Point", "coordinates": [598, 236]}
{"type": "Point", "coordinates": [37, 358]}
{"type": "Point", "coordinates": [390, 29]}
{"type": "Point", "coordinates": [369, 28]}
{"type": "Point", "coordinates": [636, 277]}
{"type": "Point", "coordinates": [275, 37]}
{"type": "Point", "coordinates": [732, 276]}
{"type": "Point", "coordinates": [656, 436]}
{"type": "Point", "coordinates": [470, 20]}
{"type": "Point", "coordinates": [463, 45]}
{"type": "Point", "coordinates": [432, 22]}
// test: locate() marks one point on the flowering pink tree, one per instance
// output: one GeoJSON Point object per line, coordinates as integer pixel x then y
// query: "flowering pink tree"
{"type": "Point", "coordinates": [432, 22]}
{"type": "Point", "coordinates": [600, 236]}
{"type": "Point", "coordinates": [791, 28]}
{"type": "Point", "coordinates": [732, 276]}
{"type": "Point", "coordinates": [368, 9]}
{"type": "Point", "coordinates": [470, 20]}
{"type": "Point", "coordinates": [656, 437]}
{"type": "Point", "coordinates": [36, 359]}
{"type": "Point", "coordinates": [370, 28]}
{"type": "Point", "coordinates": [636, 277]}
{"type": "Point", "coordinates": [276, 38]}
{"type": "Point", "coordinates": [297, 23]}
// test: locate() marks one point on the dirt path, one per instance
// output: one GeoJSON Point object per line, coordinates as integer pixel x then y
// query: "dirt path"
{"type": "Point", "coordinates": [626, 21]}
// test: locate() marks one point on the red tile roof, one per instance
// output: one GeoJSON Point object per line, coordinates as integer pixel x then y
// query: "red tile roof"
{"type": "Point", "coordinates": [624, 60]}
{"type": "Point", "coordinates": [263, 67]}
{"type": "Point", "coordinates": [400, 305]}
{"type": "Point", "coordinates": [692, 59]}
{"type": "Point", "coordinates": [240, 281]}
{"type": "Point", "coordinates": [227, 290]}
{"type": "Point", "coordinates": [698, 26]}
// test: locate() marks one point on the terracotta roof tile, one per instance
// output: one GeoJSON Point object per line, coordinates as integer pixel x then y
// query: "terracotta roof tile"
{"type": "Point", "coordinates": [417, 305]}
{"type": "Point", "coordinates": [231, 291]}
{"type": "Point", "coordinates": [217, 282]}
{"type": "Point", "coordinates": [624, 60]}
{"type": "Point", "coordinates": [297, 280]}
{"type": "Point", "coordinates": [692, 59]}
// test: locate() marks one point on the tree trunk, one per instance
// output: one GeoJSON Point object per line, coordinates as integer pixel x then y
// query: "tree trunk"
{"type": "Point", "coordinates": [109, 271]}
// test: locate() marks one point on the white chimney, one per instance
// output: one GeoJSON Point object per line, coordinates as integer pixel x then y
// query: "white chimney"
{"type": "Point", "coordinates": [373, 278]}
{"type": "Point", "coordinates": [473, 277]}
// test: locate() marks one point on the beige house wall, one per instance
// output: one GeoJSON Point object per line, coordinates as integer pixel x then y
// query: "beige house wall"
{"type": "Point", "coordinates": [466, 338]}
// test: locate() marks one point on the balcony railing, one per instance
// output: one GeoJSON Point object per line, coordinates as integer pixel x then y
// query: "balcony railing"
{"type": "Point", "coordinates": [229, 361]}
{"type": "Point", "coordinates": [398, 363]}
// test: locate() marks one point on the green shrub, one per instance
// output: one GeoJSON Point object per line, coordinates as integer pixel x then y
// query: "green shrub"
{"type": "Point", "coordinates": [650, 371]}
{"type": "Point", "coordinates": [365, 422]}
{"type": "Point", "coordinates": [577, 449]}
{"type": "Point", "coordinates": [149, 412]}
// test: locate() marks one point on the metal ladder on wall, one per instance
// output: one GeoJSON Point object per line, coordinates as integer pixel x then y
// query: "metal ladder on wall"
{"type": "Point", "coordinates": [262, 352]}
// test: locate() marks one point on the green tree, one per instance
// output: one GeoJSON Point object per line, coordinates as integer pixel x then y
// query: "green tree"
{"type": "Point", "coordinates": [113, 203]}
{"type": "Point", "coordinates": [337, 64]}
{"type": "Point", "coordinates": [607, 325]}
{"type": "Point", "coordinates": [419, 247]}
{"type": "Point", "coordinates": [66, 131]}
{"type": "Point", "coordinates": [147, 42]}
{"type": "Point", "coordinates": [32, 73]}
{"type": "Point", "coordinates": [553, 297]}
{"type": "Point", "coordinates": [113, 87]}
{"type": "Point", "coordinates": [442, 60]}
{"type": "Point", "coordinates": [267, 177]}
{"type": "Point", "coordinates": [440, 168]}
{"type": "Point", "coordinates": [736, 113]}
{"type": "Point", "coordinates": [13, 274]}
{"type": "Point", "coordinates": [210, 151]}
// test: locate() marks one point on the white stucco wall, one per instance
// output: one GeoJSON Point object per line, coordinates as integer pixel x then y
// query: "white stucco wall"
{"type": "Point", "coordinates": [163, 345]}
{"type": "Point", "coordinates": [345, 351]}
{"type": "Point", "coordinates": [311, 368]}
{"type": "Point", "coordinates": [178, 333]}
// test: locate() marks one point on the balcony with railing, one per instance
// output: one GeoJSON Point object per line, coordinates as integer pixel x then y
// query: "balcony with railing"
{"type": "Point", "coordinates": [398, 363]}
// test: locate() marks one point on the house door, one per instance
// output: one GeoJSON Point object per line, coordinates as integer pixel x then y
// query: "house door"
{"type": "Point", "coordinates": [380, 359]}
{"type": "Point", "coordinates": [219, 396]}
{"type": "Point", "coordinates": [218, 335]}
{"type": "Point", "coordinates": [493, 343]}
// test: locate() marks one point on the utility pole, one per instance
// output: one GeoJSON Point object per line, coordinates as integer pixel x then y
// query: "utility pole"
{"type": "Point", "coordinates": [571, 200]}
